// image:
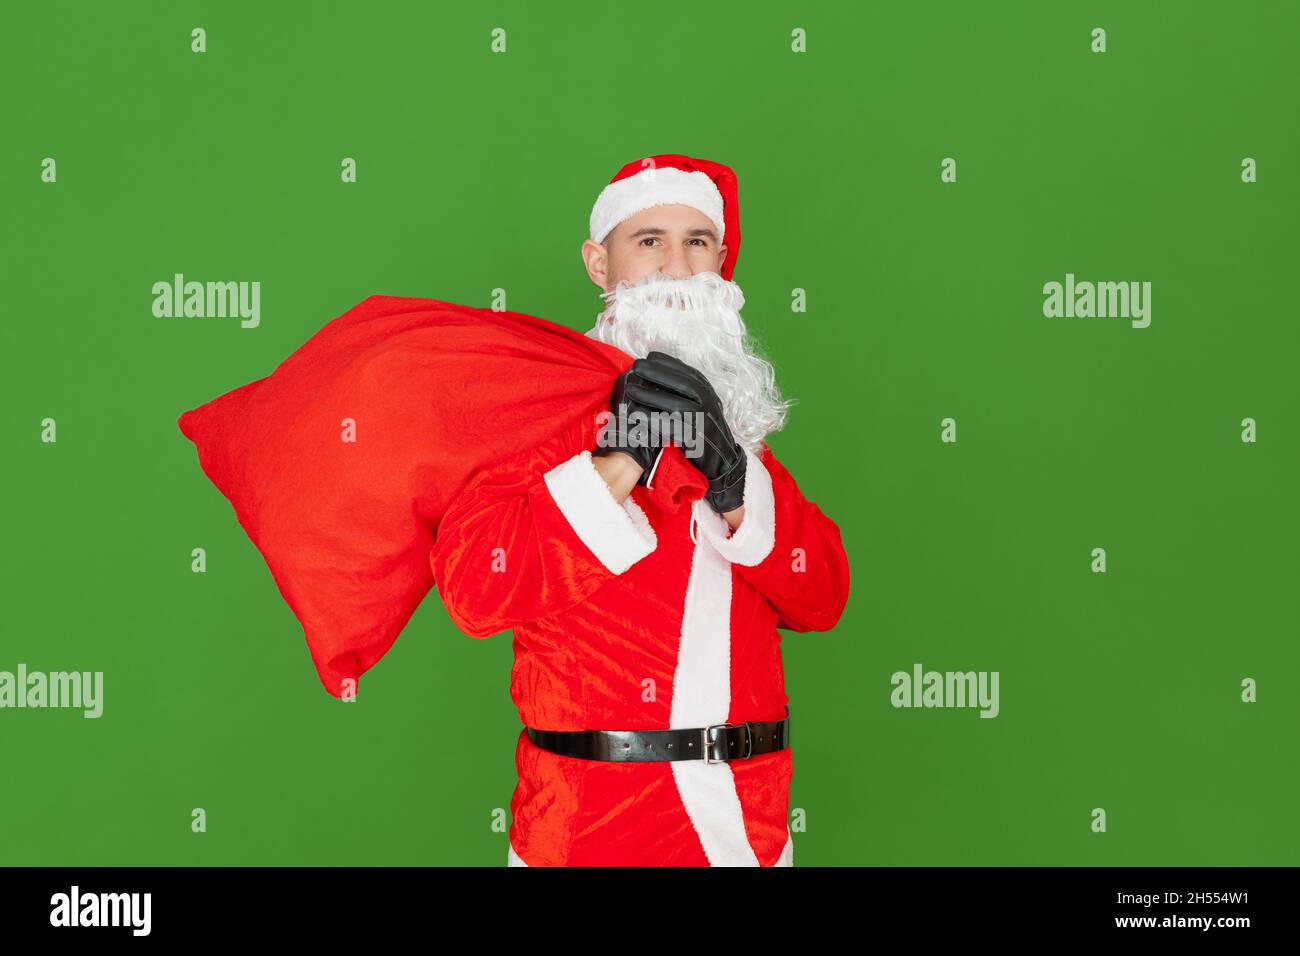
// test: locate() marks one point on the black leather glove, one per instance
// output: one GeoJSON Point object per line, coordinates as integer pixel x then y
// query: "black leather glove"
{"type": "Point", "coordinates": [642, 445]}
{"type": "Point", "coordinates": [663, 382]}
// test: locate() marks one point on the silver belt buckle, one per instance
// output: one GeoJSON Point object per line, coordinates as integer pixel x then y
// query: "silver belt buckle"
{"type": "Point", "coordinates": [749, 740]}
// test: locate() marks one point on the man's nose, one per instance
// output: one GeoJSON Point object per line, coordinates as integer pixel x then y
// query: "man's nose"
{"type": "Point", "coordinates": [677, 265]}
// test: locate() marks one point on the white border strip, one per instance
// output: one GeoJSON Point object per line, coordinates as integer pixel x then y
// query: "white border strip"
{"type": "Point", "coordinates": [701, 697]}
{"type": "Point", "coordinates": [618, 535]}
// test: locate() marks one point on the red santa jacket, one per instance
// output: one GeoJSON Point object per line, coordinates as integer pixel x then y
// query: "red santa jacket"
{"type": "Point", "coordinates": [649, 614]}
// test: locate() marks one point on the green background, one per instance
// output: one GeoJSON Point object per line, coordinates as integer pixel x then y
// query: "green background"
{"type": "Point", "coordinates": [477, 171]}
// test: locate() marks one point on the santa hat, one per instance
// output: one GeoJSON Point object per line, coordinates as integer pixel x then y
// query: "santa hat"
{"type": "Point", "coordinates": [672, 179]}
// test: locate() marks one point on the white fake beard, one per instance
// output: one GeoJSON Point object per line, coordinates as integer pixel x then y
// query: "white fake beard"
{"type": "Point", "coordinates": [697, 320]}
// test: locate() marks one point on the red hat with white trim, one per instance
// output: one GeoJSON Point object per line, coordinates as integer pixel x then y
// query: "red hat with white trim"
{"type": "Point", "coordinates": [672, 179]}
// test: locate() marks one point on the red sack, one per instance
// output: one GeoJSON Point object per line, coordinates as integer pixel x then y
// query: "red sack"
{"type": "Point", "coordinates": [436, 391]}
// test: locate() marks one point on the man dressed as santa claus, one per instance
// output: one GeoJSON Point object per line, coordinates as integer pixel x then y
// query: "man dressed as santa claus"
{"type": "Point", "coordinates": [645, 570]}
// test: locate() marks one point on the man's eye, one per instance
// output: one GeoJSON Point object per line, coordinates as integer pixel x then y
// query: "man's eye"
{"type": "Point", "coordinates": [700, 241]}
{"type": "Point", "coordinates": [649, 239]}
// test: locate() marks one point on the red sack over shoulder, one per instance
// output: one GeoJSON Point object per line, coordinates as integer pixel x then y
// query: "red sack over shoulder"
{"type": "Point", "coordinates": [436, 391]}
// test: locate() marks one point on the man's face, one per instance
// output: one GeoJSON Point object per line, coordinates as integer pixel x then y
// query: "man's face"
{"type": "Point", "coordinates": [678, 241]}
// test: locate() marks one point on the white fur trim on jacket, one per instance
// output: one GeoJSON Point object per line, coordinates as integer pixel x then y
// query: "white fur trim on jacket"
{"type": "Point", "coordinates": [655, 187]}
{"type": "Point", "coordinates": [702, 697]}
{"type": "Point", "coordinates": [752, 542]}
{"type": "Point", "coordinates": [618, 535]}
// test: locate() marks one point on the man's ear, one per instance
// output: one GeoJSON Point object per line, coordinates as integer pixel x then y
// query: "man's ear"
{"type": "Point", "coordinates": [596, 258]}
{"type": "Point", "coordinates": [722, 257]}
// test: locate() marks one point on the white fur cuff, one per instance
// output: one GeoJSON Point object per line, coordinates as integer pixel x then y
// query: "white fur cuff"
{"type": "Point", "coordinates": [752, 542]}
{"type": "Point", "coordinates": [618, 535]}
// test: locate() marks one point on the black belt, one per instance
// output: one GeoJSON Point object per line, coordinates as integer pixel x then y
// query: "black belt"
{"type": "Point", "coordinates": [712, 744]}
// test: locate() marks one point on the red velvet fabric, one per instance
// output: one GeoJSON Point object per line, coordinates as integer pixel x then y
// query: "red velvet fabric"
{"type": "Point", "coordinates": [436, 391]}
